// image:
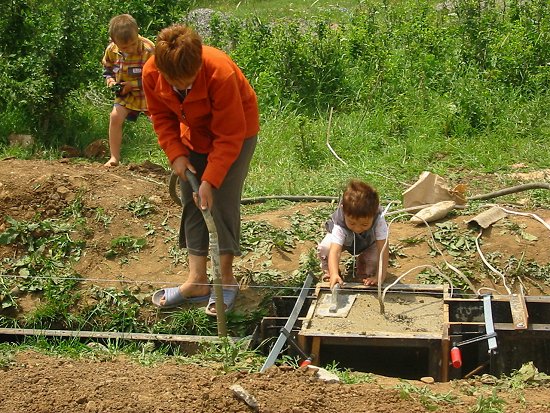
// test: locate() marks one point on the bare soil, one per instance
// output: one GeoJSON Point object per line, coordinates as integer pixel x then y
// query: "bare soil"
{"type": "Point", "coordinates": [35, 382]}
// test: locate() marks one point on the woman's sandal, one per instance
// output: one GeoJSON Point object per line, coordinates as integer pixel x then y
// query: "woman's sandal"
{"type": "Point", "coordinates": [229, 297]}
{"type": "Point", "coordinates": [173, 298]}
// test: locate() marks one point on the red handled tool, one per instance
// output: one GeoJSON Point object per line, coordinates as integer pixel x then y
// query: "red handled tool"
{"type": "Point", "coordinates": [456, 355]}
{"type": "Point", "coordinates": [307, 359]}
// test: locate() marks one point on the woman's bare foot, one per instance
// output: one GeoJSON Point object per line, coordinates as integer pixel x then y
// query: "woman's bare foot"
{"type": "Point", "coordinates": [190, 290]}
{"type": "Point", "coordinates": [112, 162]}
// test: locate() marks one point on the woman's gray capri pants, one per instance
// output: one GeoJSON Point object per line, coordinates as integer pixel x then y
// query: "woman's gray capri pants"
{"type": "Point", "coordinates": [226, 210]}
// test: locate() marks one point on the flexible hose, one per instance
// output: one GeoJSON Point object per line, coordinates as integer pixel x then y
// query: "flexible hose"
{"type": "Point", "coordinates": [316, 198]}
{"type": "Point", "coordinates": [511, 190]}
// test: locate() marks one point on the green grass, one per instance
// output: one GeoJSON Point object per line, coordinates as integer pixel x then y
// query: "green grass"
{"type": "Point", "coordinates": [489, 404]}
{"type": "Point", "coordinates": [293, 156]}
{"type": "Point", "coordinates": [430, 400]}
{"type": "Point", "coordinates": [273, 9]}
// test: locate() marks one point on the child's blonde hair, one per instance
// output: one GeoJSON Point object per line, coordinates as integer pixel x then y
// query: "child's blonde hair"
{"type": "Point", "coordinates": [123, 28]}
{"type": "Point", "coordinates": [360, 200]}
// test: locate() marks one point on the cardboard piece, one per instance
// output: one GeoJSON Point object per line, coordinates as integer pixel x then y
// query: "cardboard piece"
{"type": "Point", "coordinates": [487, 218]}
{"type": "Point", "coordinates": [433, 212]}
{"type": "Point", "coordinates": [431, 189]}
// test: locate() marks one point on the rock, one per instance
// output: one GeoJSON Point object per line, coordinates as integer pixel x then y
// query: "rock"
{"type": "Point", "coordinates": [91, 407]}
{"type": "Point", "coordinates": [69, 151]}
{"type": "Point", "coordinates": [97, 346]}
{"type": "Point", "coordinates": [97, 149]}
{"type": "Point", "coordinates": [427, 380]}
{"type": "Point", "coordinates": [63, 191]}
{"type": "Point", "coordinates": [155, 199]}
{"type": "Point", "coordinates": [245, 396]}
{"type": "Point", "coordinates": [82, 400]}
{"type": "Point", "coordinates": [23, 141]}
{"type": "Point", "coordinates": [325, 375]}
{"type": "Point", "coordinates": [488, 379]}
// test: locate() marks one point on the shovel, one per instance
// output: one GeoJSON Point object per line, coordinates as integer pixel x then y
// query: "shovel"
{"type": "Point", "coordinates": [215, 254]}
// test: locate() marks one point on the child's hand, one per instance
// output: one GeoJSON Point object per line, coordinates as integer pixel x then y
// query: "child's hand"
{"type": "Point", "coordinates": [370, 280]}
{"type": "Point", "coordinates": [335, 279]}
{"type": "Point", "coordinates": [126, 88]}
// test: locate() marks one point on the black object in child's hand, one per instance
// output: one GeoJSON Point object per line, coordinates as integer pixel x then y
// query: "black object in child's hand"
{"type": "Point", "coordinates": [117, 88]}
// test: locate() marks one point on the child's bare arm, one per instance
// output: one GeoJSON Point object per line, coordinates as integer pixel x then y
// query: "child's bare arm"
{"type": "Point", "coordinates": [383, 247]}
{"type": "Point", "coordinates": [334, 255]}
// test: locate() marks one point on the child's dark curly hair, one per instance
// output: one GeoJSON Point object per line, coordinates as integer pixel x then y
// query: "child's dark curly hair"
{"type": "Point", "coordinates": [360, 200]}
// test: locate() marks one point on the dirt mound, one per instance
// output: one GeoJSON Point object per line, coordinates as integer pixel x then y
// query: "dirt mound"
{"type": "Point", "coordinates": [39, 383]}
{"type": "Point", "coordinates": [133, 201]}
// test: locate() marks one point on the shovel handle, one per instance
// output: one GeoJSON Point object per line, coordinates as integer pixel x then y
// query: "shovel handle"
{"type": "Point", "coordinates": [193, 181]}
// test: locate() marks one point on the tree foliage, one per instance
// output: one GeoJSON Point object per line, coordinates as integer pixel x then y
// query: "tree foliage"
{"type": "Point", "coordinates": [49, 49]}
{"type": "Point", "coordinates": [469, 53]}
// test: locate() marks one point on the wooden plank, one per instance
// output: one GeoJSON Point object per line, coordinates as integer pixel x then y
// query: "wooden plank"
{"type": "Point", "coordinates": [365, 342]}
{"type": "Point", "coordinates": [537, 299]}
{"type": "Point", "coordinates": [531, 327]}
{"type": "Point", "coordinates": [316, 350]}
{"type": "Point", "coordinates": [505, 326]}
{"type": "Point", "coordinates": [466, 323]}
{"type": "Point", "coordinates": [500, 298]}
{"type": "Point", "coordinates": [428, 288]}
{"type": "Point", "coordinates": [520, 316]}
{"type": "Point", "coordinates": [112, 335]}
{"type": "Point", "coordinates": [310, 312]}
{"type": "Point", "coordinates": [445, 353]}
{"type": "Point", "coordinates": [435, 359]}
{"type": "Point", "coordinates": [377, 334]}
{"type": "Point", "coordinates": [503, 298]}
{"type": "Point", "coordinates": [302, 342]}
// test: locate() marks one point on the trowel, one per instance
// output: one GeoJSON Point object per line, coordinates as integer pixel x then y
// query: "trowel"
{"type": "Point", "coordinates": [335, 304]}
{"type": "Point", "coordinates": [334, 298]}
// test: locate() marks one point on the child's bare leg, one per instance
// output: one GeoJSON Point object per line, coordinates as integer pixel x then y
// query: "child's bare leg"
{"type": "Point", "coordinates": [116, 120]}
{"type": "Point", "coordinates": [367, 265]}
{"type": "Point", "coordinates": [196, 284]}
{"type": "Point", "coordinates": [322, 253]}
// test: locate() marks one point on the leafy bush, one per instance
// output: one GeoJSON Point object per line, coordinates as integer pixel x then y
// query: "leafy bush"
{"type": "Point", "coordinates": [464, 69]}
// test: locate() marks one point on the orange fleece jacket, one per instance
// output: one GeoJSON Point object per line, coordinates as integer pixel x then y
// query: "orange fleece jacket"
{"type": "Point", "coordinates": [218, 114]}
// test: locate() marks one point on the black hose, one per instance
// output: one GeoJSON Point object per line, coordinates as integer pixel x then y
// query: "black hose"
{"type": "Point", "coordinates": [510, 190]}
{"type": "Point", "coordinates": [316, 198]}
{"type": "Point", "coordinates": [173, 185]}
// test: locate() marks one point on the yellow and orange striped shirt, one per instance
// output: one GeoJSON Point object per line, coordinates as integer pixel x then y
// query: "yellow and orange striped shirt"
{"type": "Point", "coordinates": [127, 68]}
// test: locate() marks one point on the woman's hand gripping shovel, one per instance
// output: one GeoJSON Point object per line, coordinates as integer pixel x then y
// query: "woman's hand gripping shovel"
{"type": "Point", "coordinates": [215, 256]}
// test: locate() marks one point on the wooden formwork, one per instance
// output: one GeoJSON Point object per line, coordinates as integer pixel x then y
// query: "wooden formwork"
{"type": "Point", "coordinates": [359, 338]}
{"type": "Point", "coordinates": [522, 326]}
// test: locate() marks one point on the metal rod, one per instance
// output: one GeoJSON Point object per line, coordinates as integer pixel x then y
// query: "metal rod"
{"type": "Point", "coordinates": [118, 335]}
{"type": "Point", "coordinates": [489, 326]}
{"type": "Point", "coordinates": [476, 370]}
{"type": "Point", "coordinates": [476, 339]}
{"type": "Point", "coordinates": [274, 353]}
{"type": "Point", "coordinates": [294, 344]}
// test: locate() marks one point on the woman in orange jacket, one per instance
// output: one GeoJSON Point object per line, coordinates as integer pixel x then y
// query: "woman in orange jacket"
{"type": "Point", "coordinates": [205, 115]}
